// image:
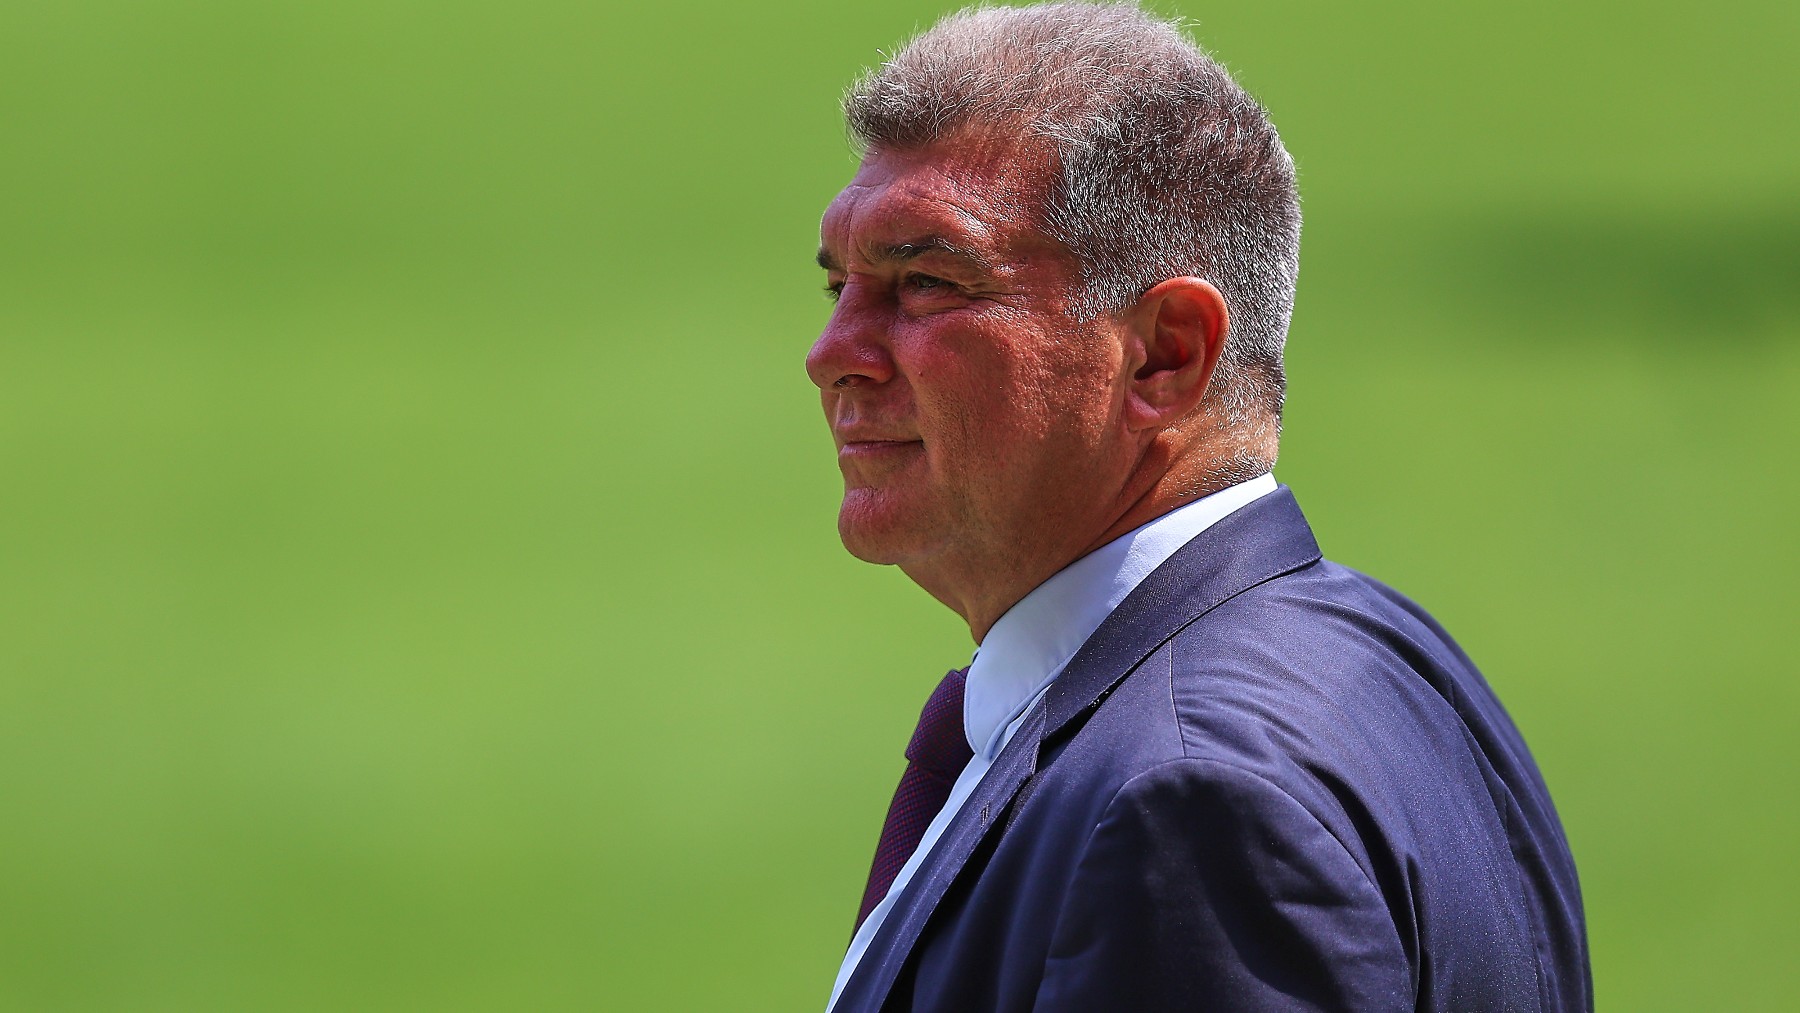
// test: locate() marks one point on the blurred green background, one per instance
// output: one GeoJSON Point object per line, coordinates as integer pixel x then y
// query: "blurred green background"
{"type": "Point", "coordinates": [418, 579]}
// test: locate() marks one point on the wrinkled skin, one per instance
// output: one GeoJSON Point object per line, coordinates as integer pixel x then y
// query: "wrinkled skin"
{"type": "Point", "coordinates": [986, 437]}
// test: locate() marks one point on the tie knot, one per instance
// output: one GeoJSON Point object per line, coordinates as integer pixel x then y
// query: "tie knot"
{"type": "Point", "coordinates": [938, 745]}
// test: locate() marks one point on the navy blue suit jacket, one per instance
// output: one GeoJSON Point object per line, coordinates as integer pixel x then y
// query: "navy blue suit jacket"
{"type": "Point", "coordinates": [1266, 782]}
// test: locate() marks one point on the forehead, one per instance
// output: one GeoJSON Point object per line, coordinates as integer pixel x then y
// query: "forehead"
{"type": "Point", "coordinates": [986, 197]}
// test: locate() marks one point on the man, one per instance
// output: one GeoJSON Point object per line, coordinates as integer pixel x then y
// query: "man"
{"type": "Point", "coordinates": [1192, 765]}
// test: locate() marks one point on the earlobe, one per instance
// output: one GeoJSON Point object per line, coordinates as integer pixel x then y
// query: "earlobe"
{"type": "Point", "coordinates": [1181, 325]}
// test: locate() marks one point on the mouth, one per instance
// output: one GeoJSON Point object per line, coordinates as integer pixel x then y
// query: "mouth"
{"type": "Point", "coordinates": [874, 450]}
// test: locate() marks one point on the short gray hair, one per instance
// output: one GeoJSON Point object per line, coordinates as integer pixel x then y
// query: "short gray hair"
{"type": "Point", "coordinates": [1167, 167]}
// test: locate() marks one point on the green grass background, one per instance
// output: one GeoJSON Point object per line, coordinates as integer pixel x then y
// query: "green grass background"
{"type": "Point", "coordinates": [418, 581]}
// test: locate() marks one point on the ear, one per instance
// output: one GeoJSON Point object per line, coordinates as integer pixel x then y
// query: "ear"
{"type": "Point", "coordinates": [1177, 331]}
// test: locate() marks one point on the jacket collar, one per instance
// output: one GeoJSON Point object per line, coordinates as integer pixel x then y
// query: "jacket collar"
{"type": "Point", "coordinates": [1258, 543]}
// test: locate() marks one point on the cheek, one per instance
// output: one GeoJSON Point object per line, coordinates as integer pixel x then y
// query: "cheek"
{"type": "Point", "coordinates": [1066, 394]}
{"type": "Point", "coordinates": [1086, 386]}
{"type": "Point", "coordinates": [1000, 399]}
{"type": "Point", "coordinates": [995, 438]}
{"type": "Point", "coordinates": [949, 378]}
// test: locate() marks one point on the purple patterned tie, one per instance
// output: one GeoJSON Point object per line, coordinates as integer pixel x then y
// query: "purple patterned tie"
{"type": "Point", "coordinates": [935, 758]}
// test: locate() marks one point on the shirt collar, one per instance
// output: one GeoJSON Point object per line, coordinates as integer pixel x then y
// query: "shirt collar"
{"type": "Point", "coordinates": [1030, 644]}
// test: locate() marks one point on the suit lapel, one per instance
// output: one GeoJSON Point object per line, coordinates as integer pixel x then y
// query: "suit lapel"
{"type": "Point", "coordinates": [1263, 540]}
{"type": "Point", "coordinates": [868, 986]}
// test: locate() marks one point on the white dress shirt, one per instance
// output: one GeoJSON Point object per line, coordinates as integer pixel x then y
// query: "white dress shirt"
{"type": "Point", "coordinates": [1027, 648]}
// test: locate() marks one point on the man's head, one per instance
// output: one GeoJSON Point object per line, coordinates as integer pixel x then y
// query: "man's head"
{"type": "Point", "coordinates": [1065, 272]}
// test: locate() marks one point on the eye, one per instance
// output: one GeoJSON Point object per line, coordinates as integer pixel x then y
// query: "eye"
{"type": "Point", "coordinates": [834, 291]}
{"type": "Point", "coordinates": [926, 282]}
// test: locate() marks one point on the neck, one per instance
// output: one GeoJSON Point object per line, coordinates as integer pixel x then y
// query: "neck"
{"type": "Point", "coordinates": [1168, 476]}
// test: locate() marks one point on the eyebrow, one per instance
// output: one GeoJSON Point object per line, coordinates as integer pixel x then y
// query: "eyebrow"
{"type": "Point", "coordinates": [914, 249]}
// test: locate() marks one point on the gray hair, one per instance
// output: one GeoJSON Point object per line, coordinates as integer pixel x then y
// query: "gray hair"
{"type": "Point", "coordinates": [1166, 166]}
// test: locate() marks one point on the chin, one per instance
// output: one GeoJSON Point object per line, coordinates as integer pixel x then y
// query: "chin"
{"type": "Point", "coordinates": [875, 529]}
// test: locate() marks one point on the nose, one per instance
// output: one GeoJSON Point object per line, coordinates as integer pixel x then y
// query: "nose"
{"type": "Point", "coordinates": [853, 349]}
